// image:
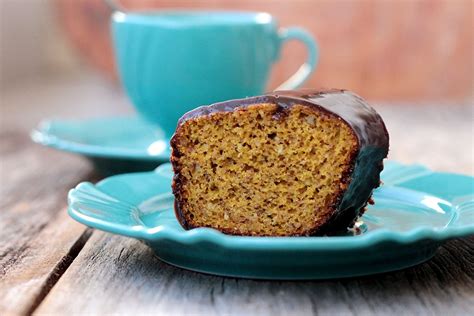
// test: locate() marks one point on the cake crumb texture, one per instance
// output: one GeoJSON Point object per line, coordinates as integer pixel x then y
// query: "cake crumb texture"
{"type": "Point", "coordinates": [262, 170]}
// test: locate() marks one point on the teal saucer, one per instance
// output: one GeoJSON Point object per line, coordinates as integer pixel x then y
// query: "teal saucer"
{"type": "Point", "coordinates": [415, 211]}
{"type": "Point", "coordinates": [114, 145]}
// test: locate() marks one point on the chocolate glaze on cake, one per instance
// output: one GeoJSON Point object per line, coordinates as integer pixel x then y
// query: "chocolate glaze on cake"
{"type": "Point", "coordinates": [365, 123]}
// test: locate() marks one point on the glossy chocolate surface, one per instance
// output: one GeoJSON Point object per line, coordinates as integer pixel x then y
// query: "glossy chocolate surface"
{"type": "Point", "coordinates": [366, 124]}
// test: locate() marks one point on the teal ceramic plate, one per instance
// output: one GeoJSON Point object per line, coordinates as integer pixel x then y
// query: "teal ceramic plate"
{"type": "Point", "coordinates": [416, 210]}
{"type": "Point", "coordinates": [114, 145]}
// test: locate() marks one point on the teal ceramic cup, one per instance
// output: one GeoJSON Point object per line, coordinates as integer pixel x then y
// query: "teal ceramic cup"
{"type": "Point", "coordinates": [173, 61]}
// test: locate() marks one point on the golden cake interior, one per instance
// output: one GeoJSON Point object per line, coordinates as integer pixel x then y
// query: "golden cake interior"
{"type": "Point", "coordinates": [254, 172]}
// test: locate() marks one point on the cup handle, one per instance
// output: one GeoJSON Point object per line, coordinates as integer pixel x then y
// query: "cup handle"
{"type": "Point", "coordinates": [306, 69]}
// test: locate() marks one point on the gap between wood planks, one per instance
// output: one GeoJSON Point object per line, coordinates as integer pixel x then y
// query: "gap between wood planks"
{"type": "Point", "coordinates": [60, 269]}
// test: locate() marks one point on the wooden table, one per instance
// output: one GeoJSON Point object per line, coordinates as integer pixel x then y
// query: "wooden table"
{"type": "Point", "coordinates": [53, 265]}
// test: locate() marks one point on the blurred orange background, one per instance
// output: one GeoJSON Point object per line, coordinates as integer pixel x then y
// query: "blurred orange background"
{"type": "Point", "coordinates": [384, 50]}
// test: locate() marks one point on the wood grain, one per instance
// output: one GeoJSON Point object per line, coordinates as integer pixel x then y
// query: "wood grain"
{"type": "Point", "coordinates": [131, 280]}
{"type": "Point", "coordinates": [49, 265]}
{"type": "Point", "coordinates": [38, 240]}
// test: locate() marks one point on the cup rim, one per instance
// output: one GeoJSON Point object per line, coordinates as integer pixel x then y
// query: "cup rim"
{"type": "Point", "coordinates": [225, 17]}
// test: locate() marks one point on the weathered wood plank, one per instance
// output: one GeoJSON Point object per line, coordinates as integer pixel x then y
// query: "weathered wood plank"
{"type": "Point", "coordinates": [112, 274]}
{"type": "Point", "coordinates": [38, 240]}
{"type": "Point", "coordinates": [115, 275]}
{"type": "Point", "coordinates": [118, 275]}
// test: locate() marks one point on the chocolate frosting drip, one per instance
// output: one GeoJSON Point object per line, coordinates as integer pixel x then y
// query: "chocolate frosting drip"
{"type": "Point", "coordinates": [366, 125]}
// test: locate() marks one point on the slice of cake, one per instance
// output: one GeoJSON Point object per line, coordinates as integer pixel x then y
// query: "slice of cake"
{"type": "Point", "coordinates": [289, 163]}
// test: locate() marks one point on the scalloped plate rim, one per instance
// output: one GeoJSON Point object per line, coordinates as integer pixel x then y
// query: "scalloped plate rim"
{"type": "Point", "coordinates": [198, 235]}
